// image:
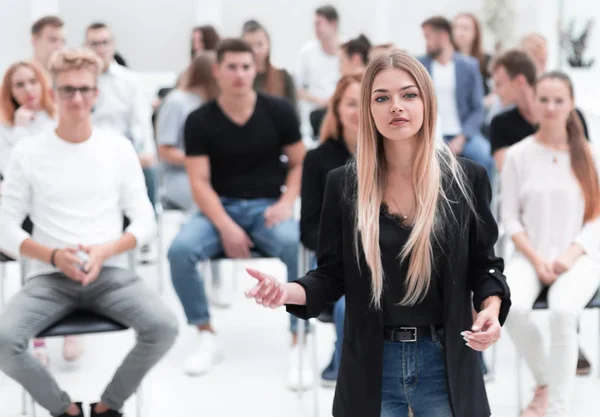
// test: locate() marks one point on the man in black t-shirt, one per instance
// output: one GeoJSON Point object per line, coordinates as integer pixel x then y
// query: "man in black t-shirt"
{"type": "Point", "coordinates": [514, 76]}
{"type": "Point", "coordinates": [245, 193]}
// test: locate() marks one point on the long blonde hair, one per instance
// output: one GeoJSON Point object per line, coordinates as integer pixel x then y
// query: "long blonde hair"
{"type": "Point", "coordinates": [433, 163]}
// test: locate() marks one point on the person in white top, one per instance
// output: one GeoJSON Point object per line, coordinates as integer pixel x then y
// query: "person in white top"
{"type": "Point", "coordinates": [76, 184]}
{"type": "Point", "coordinates": [47, 36]}
{"type": "Point", "coordinates": [121, 104]}
{"type": "Point", "coordinates": [318, 68]}
{"type": "Point", "coordinates": [26, 107]}
{"type": "Point", "coordinates": [551, 210]}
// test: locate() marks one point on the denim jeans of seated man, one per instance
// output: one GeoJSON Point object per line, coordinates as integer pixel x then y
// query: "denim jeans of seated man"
{"type": "Point", "coordinates": [414, 376]}
{"type": "Point", "coordinates": [198, 240]}
{"type": "Point", "coordinates": [478, 149]}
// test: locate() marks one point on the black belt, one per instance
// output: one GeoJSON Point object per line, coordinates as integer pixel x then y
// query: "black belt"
{"type": "Point", "coordinates": [409, 333]}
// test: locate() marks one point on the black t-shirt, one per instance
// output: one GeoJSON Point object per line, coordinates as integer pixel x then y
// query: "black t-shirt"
{"type": "Point", "coordinates": [510, 127]}
{"type": "Point", "coordinates": [245, 161]}
{"type": "Point", "coordinates": [392, 238]}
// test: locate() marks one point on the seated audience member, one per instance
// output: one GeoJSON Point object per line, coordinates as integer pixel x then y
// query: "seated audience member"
{"type": "Point", "coordinates": [514, 75]}
{"type": "Point", "coordinates": [379, 48]}
{"type": "Point", "coordinates": [26, 107]}
{"type": "Point", "coordinates": [339, 136]}
{"type": "Point", "coordinates": [200, 87]}
{"type": "Point", "coordinates": [269, 80]}
{"type": "Point", "coordinates": [76, 183]}
{"type": "Point", "coordinates": [121, 104]}
{"type": "Point", "coordinates": [47, 35]}
{"type": "Point", "coordinates": [549, 177]}
{"type": "Point", "coordinates": [233, 147]}
{"type": "Point", "coordinates": [354, 58]}
{"type": "Point", "coordinates": [459, 89]}
{"type": "Point", "coordinates": [123, 108]}
{"type": "Point", "coordinates": [204, 38]}
{"type": "Point", "coordinates": [467, 37]}
{"type": "Point", "coordinates": [536, 47]}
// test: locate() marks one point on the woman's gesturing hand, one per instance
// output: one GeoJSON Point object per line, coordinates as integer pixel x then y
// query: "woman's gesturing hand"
{"type": "Point", "coordinates": [268, 291]}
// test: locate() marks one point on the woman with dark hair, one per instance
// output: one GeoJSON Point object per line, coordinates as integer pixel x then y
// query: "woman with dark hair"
{"type": "Point", "coordinates": [269, 80]}
{"type": "Point", "coordinates": [197, 86]}
{"type": "Point", "coordinates": [354, 55]}
{"type": "Point", "coordinates": [204, 38]}
{"type": "Point", "coordinates": [466, 34]}
{"type": "Point", "coordinates": [339, 135]}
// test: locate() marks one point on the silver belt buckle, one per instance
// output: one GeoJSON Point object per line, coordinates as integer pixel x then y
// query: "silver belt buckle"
{"type": "Point", "coordinates": [414, 330]}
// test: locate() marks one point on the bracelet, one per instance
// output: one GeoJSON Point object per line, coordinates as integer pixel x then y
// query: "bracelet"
{"type": "Point", "coordinates": [52, 257]}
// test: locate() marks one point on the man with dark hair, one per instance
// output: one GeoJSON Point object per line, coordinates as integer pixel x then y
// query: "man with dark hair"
{"type": "Point", "coordinates": [514, 75]}
{"type": "Point", "coordinates": [47, 35]}
{"type": "Point", "coordinates": [459, 90]}
{"type": "Point", "coordinates": [318, 67]}
{"type": "Point", "coordinates": [233, 148]}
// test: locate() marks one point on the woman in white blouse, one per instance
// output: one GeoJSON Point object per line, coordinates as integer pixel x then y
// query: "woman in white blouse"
{"type": "Point", "coordinates": [550, 208]}
{"type": "Point", "coordinates": [26, 106]}
{"type": "Point", "coordinates": [26, 109]}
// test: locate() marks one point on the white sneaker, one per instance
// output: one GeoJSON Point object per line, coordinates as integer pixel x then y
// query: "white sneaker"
{"type": "Point", "coordinates": [300, 373]}
{"type": "Point", "coordinates": [147, 253]}
{"type": "Point", "coordinates": [205, 356]}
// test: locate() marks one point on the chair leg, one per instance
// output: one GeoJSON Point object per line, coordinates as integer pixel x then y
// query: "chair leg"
{"type": "Point", "coordinates": [160, 263]}
{"type": "Point", "coordinates": [492, 370]}
{"type": "Point", "coordinates": [315, 364]}
{"type": "Point", "coordinates": [24, 402]}
{"type": "Point", "coordinates": [138, 401]}
{"type": "Point", "coordinates": [519, 385]}
{"type": "Point", "coordinates": [598, 363]}
{"type": "Point", "coordinates": [301, 332]}
{"type": "Point", "coordinates": [2, 283]}
{"type": "Point", "coordinates": [32, 405]}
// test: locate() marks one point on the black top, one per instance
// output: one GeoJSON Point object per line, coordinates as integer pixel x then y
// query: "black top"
{"type": "Point", "coordinates": [244, 160]}
{"type": "Point", "coordinates": [393, 235]}
{"type": "Point", "coordinates": [510, 127]}
{"type": "Point", "coordinates": [316, 120]}
{"type": "Point", "coordinates": [331, 154]}
{"type": "Point", "coordinates": [469, 272]}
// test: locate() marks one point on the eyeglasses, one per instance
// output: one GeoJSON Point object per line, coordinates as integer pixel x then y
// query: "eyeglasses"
{"type": "Point", "coordinates": [98, 44]}
{"type": "Point", "coordinates": [67, 92]}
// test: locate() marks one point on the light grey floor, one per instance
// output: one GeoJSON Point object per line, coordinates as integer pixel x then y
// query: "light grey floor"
{"type": "Point", "coordinates": [251, 379]}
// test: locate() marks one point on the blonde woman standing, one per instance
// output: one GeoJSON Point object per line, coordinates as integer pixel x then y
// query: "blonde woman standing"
{"type": "Point", "coordinates": [406, 235]}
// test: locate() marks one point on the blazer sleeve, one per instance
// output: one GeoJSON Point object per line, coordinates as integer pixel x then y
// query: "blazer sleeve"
{"type": "Point", "coordinates": [471, 125]}
{"type": "Point", "coordinates": [325, 285]}
{"type": "Point", "coordinates": [312, 201]}
{"type": "Point", "coordinates": [485, 272]}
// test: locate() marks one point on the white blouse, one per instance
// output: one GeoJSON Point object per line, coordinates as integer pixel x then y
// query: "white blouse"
{"type": "Point", "coordinates": [11, 135]}
{"type": "Point", "coordinates": [542, 197]}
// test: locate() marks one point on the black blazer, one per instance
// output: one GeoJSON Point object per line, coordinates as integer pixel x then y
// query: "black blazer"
{"type": "Point", "coordinates": [468, 267]}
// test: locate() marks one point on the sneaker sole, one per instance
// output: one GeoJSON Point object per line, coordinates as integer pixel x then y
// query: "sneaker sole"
{"type": "Point", "coordinates": [218, 359]}
{"type": "Point", "coordinates": [584, 371]}
{"type": "Point", "coordinates": [328, 384]}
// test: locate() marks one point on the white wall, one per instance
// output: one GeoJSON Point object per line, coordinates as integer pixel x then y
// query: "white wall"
{"type": "Point", "coordinates": [14, 32]}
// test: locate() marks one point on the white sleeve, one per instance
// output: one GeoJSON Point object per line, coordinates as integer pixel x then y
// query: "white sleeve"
{"type": "Point", "coordinates": [510, 206]}
{"type": "Point", "coordinates": [142, 132]}
{"type": "Point", "coordinates": [134, 197]}
{"type": "Point", "coordinates": [15, 204]}
{"type": "Point", "coordinates": [589, 236]}
{"type": "Point", "coordinates": [301, 70]}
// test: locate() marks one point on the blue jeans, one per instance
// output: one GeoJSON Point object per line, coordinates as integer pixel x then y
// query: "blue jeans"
{"type": "Point", "coordinates": [414, 376]}
{"type": "Point", "coordinates": [478, 149]}
{"type": "Point", "coordinates": [199, 240]}
{"type": "Point", "coordinates": [339, 311]}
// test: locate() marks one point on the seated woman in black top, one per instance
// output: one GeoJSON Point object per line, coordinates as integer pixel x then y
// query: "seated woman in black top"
{"type": "Point", "coordinates": [338, 143]}
{"type": "Point", "coordinates": [406, 234]}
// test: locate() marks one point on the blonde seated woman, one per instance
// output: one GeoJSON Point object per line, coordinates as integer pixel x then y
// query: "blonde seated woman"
{"type": "Point", "coordinates": [551, 209]}
{"type": "Point", "coordinates": [26, 109]}
{"type": "Point", "coordinates": [406, 234]}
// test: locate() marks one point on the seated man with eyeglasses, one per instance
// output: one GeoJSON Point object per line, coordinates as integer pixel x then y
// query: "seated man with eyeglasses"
{"type": "Point", "coordinates": [75, 183]}
{"type": "Point", "coordinates": [123, 107]}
